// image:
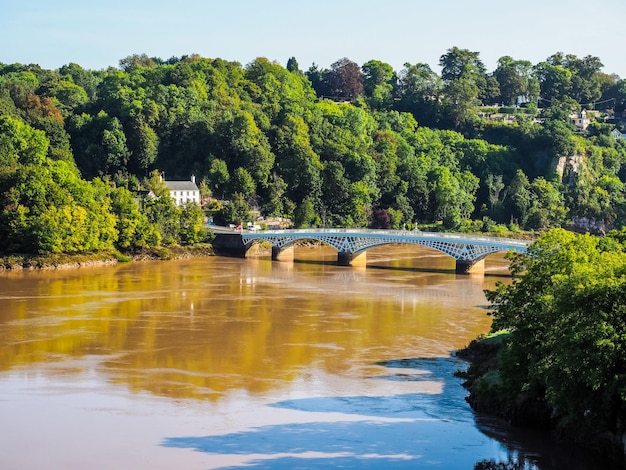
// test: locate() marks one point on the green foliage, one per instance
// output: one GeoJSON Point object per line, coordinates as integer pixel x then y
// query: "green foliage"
{"type": "Point", "coordinates": [21, 144]}
{"type": "Point", "coordinates": [271, 135]}
{"type": "Point", "coordinates": [131, 223]}
{"type": "Point", "coordinates": [48, 208]}
{"type": "Point", "coordinates": [568, 336]}
{"type": "Point", "coordinates": [192, 229]}
{"type": "Point", "coordinates": [218, 177]}
{"type": "Point", "coordinates": [305, 215]}
{"type": "Point", "coordinates": [161, 211]}
{"type": "Point", "coordinates": [236, 212]}
{"type": "Point", "coordinates": [243, 183]}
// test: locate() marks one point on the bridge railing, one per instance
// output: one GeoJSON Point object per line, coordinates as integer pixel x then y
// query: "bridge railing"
{"type": "Point", "coordinates": [388, 233]}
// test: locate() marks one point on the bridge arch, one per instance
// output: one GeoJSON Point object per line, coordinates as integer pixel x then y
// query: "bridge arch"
{"type": "Point", "coordinates": [351, 245]}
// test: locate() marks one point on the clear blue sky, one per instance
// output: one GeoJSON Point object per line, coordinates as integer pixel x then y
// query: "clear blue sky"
{"type": "Point", "coordinates": [96, 34]}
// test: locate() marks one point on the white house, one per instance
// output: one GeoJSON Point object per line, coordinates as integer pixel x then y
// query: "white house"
{"type": "Point", "coordinates": [184, 191]}
{"type": "Point", "coordinates": [581, 120]}
{"type": "Point", "coordinates": [617, 134]}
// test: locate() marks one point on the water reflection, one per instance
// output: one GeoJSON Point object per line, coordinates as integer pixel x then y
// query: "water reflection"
{"type": "Point", "coordinates": [246, 362]}
{"type": "Point", "coordinates": [413, 430]}
{"type": "Point", "coordinates": [433, 428]}
{"type": "Point", "coordinates": [196, 329]}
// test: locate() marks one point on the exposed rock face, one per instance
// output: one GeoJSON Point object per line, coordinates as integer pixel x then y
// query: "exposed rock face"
{"type": "Point", "coordinates": [568, 168]}
{"type": "Point", "coordinates": [583, 224]}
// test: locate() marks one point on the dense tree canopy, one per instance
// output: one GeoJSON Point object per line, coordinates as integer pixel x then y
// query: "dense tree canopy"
{"type": "Point", "coordinates": [568, 336]}
{"type": "Point", "coordinates": [350, 145]}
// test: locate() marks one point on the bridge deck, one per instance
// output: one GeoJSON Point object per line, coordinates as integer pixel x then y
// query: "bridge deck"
{"type": "Point", "coordinates": [351, 244]}
{"type": "Point", "coordinates": [460, 246]}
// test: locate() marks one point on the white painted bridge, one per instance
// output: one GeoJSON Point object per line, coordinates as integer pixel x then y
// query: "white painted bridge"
{"type": "Point", "coordinates": [469, 251]}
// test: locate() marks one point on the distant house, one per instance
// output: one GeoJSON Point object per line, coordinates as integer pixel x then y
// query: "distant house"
{"type": "Point", "coordinates": [184, 191]}
{"type": "Point", "coordinates": [616, 134]}
{"type": "Point", "coordinates": [581, 120]}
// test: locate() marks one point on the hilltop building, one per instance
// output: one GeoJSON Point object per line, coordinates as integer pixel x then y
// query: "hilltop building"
{"type": "Point", "coordinates": [184, 191]}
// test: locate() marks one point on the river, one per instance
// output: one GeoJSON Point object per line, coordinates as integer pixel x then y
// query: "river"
{"type": "Point", "coordinates": [223, 363]}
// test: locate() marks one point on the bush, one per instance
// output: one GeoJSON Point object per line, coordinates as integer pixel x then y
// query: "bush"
{"type": "Point", "coordinates": [568, 337]}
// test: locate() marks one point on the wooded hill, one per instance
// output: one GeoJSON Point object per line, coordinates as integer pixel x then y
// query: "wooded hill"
{"type": "Point", "coordinates": [349, 146]}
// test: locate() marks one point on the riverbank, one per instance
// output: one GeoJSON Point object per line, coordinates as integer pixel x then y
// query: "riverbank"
{"type": "Point", "coordinates": [20, 262]}
{"type": "Point", "coordinates": [487, 395]}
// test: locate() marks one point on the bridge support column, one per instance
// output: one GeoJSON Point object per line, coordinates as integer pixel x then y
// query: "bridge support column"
{"type": "Point", "coordinates": [470, 267]}
{"type": "Point", "coordinates": [282, 254]}
{"type": "Point", "coordinates": [229, 244]}
{"type": "Point", "coordinates": [345, 258]}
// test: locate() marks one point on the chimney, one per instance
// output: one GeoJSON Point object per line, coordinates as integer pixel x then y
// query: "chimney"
{"type": "Point", "coordinates": [193, 179]}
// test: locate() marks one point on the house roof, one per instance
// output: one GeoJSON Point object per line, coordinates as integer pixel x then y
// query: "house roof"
{"type": "Point", "coordinates": [181, 185]}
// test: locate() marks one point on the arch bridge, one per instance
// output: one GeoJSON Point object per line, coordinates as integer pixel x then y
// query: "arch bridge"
{"type": "Point", "coordinates": [351, 244]}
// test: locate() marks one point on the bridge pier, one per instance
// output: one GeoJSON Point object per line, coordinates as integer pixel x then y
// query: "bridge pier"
{"type": "Point", "coordinates": [470, 267]}
{"type": "Point", "coordinates": [229, 244]}
{"type": "Point", "coordinates": [282, 254]}
{"type": "Point", "coordinates": [345, 258]}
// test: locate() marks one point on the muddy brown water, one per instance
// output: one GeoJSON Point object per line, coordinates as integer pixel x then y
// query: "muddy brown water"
{"type": "Point", "coordinates": [223, 362]}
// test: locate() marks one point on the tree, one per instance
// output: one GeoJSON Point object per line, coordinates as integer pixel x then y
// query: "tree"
{"type": "Point", "coordinates": [19, 86]}
{"type": "Point", "coordinates": [547, 207]}
{"type": "Point", "coordinates": [336, 197]}
{"type": "Point", "coordinates": [236, 211]}
{"type": "Point", "coordinates": [560, 350]}
{"type": "Point", "coordinates": [242, 183]}
{"type": "Point", "coordinates": [316, 76]}
{"type": "Point", "coordinates": [378, 84]}
{"type": "Point", "coordinates": [305, 215]}
{"type": "Point", "coordinates": [453, 195]}
{"type": "Point", "coordinates": [586, 79]}
{"type": "Point", "coordinates": [134, 230]}
{"type": "Point", "coordinates": [143, 145]}
{"type": "Point", "coordinates": [85, 79]}
{"type": "Point", "coordinates": [345, 80]}
{"type": "Point", "coordinates": [218, 177]}
{"type": "Point", "coordinates": [457, 64]}
{"type": "Point", "coordinates": [460, 102]}
{"type": "Point", "coordinates": [519, 198]}
{"type": "Point", "coordinates": [296, 161]}
{"type": "Point", "coordinates": [517, 81]}
{"type": "Point", "coordinates": [192, 229]}
{"type": "Point", "coordinates": [99, 144]}
{"type": "Point", "coordinates": [464, 79]}
{"type": "Point", "coordinates": [558, 137]}
{"type": "Point", "coordinates": [67, 95]}
{"type": "Point", "coordinates": [50, 209]}
{"type": "Point", "coordinates": [418, 92]}
{"type": "Point", "coordinates": [136, 60]}
{"type": "Point", "coordinates": [161, 210]}
{"type": "Point", "coordinates": [20, 143]}
{"type": "Point", "coordinates": [360, 201]}
{"type": "Point", "coordinates": [495, 186]}
{"type": "Point", "coordinates": [387, 179]}
{"type": "Point", "coordinates": [292, 65]}
{"type": "Point", "coordinates": [249, 147]}
{"type": "Point", "coordinates": [555, 82]}
{"type": "Point", "coordinates": [617, 93]}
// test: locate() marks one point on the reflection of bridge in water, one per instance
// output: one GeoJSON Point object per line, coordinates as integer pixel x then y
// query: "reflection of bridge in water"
{"type": "Point", "coordinates": [351, 244]}
{"type": "Point", "coordinates": [445, 289]}
{"type": "Point", "coordinates": [404, 293]}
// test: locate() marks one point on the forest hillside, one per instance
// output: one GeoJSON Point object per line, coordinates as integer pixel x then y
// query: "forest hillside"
{"type": "Point", "coordinates": [529, 146]}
